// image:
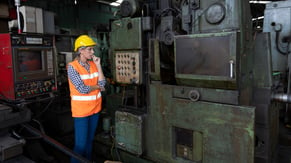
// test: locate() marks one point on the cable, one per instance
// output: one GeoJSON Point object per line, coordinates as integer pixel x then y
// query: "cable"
{"type": "Point", "coordinates": [113, 145]}
{"type": "Point", "coordinates": [45, 109]}
{"type": "Point", "coordinates": [166, 10]}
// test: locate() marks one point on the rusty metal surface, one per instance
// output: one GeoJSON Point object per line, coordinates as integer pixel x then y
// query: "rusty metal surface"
{"type": "Point", "coordinates": [129, 29]}
{"type": "Point", "coordinates": [228, 130]}
{"type": "Point", "coordinates": [262, 67]}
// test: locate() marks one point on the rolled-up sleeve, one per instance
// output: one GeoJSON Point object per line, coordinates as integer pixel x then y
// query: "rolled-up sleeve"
{"type": "Point", "coordinates": [102, 83]}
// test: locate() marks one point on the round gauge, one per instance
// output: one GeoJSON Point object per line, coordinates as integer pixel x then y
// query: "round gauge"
{"type": "Point", "coordinates": [126, 8]}
{"type": "Point", "coordinates": [129, 7]}
{"type": "Point", "coordinates": [168, 37]}
{"type": "Point", "coordinates": [215, 13]}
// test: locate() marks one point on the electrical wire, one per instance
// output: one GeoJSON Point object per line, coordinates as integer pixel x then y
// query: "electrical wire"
{"type": "Point", "coordinates": [113, 145]}
{"type": "Point", "coordinates": [45, 109]}
{"type": "Point", "coordinates": [124, 99]}
{"type": "Point", "coordinates": [166, 11]}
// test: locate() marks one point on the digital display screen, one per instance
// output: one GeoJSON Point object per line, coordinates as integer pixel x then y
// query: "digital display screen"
{"type": "Point", "coordinates": [29, 60]}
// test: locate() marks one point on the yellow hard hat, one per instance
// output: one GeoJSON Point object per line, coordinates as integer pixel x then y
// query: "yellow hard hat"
{"type": "Point", "coordinates": [83, 40]}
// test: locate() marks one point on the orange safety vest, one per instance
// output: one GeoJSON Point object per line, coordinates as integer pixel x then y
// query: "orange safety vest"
{"type": "Point", "coordinates": [83, 105]}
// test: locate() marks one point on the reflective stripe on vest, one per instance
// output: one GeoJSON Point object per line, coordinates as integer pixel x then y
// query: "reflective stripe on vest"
{"type": "Point", "coordinates": [89, 76]}
{"type": "Point", "coordinates": [89, 103]}
{"type": "Point", "coordinates": [86, 98]}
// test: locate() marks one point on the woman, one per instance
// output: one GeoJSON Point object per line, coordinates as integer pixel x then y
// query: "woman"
{"type": "Point", "coordinates": [86, 80]}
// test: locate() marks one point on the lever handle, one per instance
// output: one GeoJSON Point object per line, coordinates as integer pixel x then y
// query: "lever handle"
{"type": "Point", "coordinates": [231, 64]}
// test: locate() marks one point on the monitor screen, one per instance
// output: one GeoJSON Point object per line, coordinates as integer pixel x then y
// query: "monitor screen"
{"type": "Point", "coordinates": [29, 60]}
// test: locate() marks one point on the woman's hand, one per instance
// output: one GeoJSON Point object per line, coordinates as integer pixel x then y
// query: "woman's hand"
{"type": "Point", "coordinates": [96, 60]}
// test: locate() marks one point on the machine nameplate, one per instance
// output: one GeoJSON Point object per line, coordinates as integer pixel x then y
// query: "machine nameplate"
{"type": "Point", "coordinates": [31, 40]}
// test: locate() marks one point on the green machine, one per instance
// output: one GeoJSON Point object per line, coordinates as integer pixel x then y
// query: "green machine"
{"type": "Point", "coordinates": [194, 84]}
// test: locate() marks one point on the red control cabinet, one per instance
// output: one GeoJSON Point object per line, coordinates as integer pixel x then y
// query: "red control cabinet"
{"type": "Point", "coordinates": [26, 66]}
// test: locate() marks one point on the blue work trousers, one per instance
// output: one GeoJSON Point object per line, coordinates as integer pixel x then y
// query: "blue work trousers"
{"type": "Point", "coordinates": [85, 128]}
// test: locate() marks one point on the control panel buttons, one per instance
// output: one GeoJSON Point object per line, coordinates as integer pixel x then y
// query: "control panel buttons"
{"type": "Point", "coordinates": [128, 67]}
{"type": "Point", "coordinates": [34, 88]}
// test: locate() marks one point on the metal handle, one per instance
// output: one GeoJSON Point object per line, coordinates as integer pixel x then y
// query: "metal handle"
{"type": "Point", "coordinates": [231, 63]}
{"type": "Point", "coordinates": [17, 4]}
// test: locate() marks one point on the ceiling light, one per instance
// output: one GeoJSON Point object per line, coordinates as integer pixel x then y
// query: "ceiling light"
{"type": "Point", "coordinates": [258, 18]}
{"type": "Point", "coordinates": [114, 4]}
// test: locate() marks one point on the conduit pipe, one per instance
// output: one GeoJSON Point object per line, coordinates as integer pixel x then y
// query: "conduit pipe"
{"type": "Point", "coordinates": [282, 97]}
{"type": "Point", "coordinates": [17, 4]}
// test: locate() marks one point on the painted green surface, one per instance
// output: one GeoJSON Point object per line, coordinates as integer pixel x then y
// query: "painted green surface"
{"type": "Point", "coordinates": [129, 132]}
{"type": "Point", "coordinates": [126, 34]}
{"type": "Point", "coordinates": [228, 130]}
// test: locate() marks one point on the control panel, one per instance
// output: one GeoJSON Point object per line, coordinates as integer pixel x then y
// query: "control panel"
{"type": "Point", "coordinates": [128, 67]}
{"type": "Point", "coordinates": [34, 88]}
{"type": "Point", "coordinates": [27, 64]}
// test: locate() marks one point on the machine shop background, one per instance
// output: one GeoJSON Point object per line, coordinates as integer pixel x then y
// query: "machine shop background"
{"type": "Point", "coordinates": [188, 81]}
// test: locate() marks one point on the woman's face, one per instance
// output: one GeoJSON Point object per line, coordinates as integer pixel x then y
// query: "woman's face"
{"type": "Point", "coordinates": [87, 52]}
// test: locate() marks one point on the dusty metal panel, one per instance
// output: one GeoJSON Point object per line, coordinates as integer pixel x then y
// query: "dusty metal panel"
{"type": "Point", "coordinates": [262, 59]}
{"type": "Point", "coordinates": [206, 94]}
{"type": "Point", "coordinates": [231, 19]}
{"type": "Point", "coordinates": [129, 135]}
{"type": "Point", "coordinates": [228, 130]}
{"type": "Point", "coordinates": [126, 28]}
{"type": "Point", "coordinates": [277, 22]}
{"type": "Point", "coordinates": [267, 111]}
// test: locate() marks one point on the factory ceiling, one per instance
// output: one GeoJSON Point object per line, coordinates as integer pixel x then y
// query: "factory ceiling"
{"type": "Point", "coordinates": [257, 6]}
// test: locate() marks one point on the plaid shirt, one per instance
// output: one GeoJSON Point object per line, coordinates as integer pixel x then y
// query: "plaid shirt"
{"type": "Point", "coordinates": [75, 78]}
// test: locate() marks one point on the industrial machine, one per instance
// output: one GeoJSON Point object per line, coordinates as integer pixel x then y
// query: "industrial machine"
{"type": "Point", "coordinates": [190, 81]}
{"type": "Point", "coordinates": [197, 82]}
{"type": "Point", "coordinates": [27, 66]}
{"type": "Point", "coordinates": [27, 62]}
